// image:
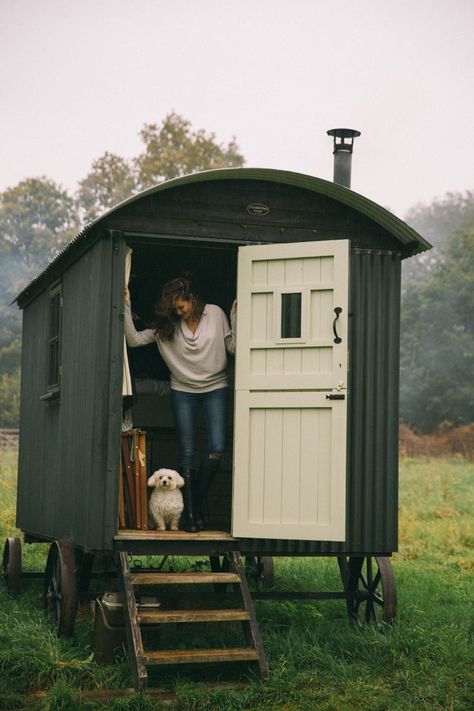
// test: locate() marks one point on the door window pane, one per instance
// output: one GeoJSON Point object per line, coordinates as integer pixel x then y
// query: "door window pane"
{"type": "Point", "coordinates": [291, 315]}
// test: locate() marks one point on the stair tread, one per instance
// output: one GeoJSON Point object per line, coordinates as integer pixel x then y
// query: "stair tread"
{"type": "Point", "coordinates": [182, 656]}
{"type": "Point", "coordinates": [148, 616]}
{"type": "Point", "coordinates": [182, 578]}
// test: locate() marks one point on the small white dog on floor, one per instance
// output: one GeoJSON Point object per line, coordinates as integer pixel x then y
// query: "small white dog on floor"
{"type": "Point", "coordinates": [166, 501]}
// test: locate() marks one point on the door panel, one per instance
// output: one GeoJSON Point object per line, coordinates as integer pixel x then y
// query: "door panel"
{"type": "Point", "coordinates": [289, 466]}
{"type": "Point", "coordinates": [290, 438]}
{"type": "Point", "coordinates": [272, 276]}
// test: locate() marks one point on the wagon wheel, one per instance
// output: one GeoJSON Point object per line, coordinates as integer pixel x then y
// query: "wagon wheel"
{"type": "Point", "coordinates": [60, 588]}
{"type": "Point", "coordinates": [371, 582]}
{"type": "Point", "coordinates": [261, 570]}
{"type": "Point", "coordinates": [11, 567]}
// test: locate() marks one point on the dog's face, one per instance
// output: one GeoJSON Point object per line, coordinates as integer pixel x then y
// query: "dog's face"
{"type": "Point", "coordinates": [166, 479]}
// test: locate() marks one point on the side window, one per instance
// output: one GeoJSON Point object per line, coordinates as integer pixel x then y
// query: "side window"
{"type": "Point", "coordinates": [54, 338]}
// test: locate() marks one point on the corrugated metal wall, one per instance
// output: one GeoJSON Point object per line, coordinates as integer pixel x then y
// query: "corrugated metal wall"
{"type": "Point", "coordinates": [372, 485]}
{"type": "Point", "coordinates": [67, 483]}
{"type": "Point", "coordinates": [36, 472]}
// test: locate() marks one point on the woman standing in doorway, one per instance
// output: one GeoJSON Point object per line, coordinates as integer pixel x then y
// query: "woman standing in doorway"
{"type": "Point", "coordinates": [193, 339]}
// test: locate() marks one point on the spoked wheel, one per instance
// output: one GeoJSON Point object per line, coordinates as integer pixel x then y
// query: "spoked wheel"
{"type": "Point", "coordinates": [371, 584]}
{"type": "Point", "coordinates": [260, 570]}
{"type": "Point", "coordinates": [11, 567]}
{"type": "Point", "coordinates": [60, 587]}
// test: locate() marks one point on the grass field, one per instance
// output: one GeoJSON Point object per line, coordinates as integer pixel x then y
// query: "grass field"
{"type": "Point", "coordinates": [317, 659]}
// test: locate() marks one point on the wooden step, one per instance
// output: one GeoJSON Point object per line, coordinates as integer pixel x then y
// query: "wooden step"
{"type": "Point", "coordinates": [153, 617]}
{"type": "Point", "coordinates": [193, 656]}
{"type": "Point", "coordinates": [182, 578]}
{"type": "Point", "coordinates": [151, 613]}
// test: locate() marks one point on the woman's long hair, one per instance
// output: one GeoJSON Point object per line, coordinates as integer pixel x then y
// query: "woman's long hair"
{"type": "Point", "coordinates": [165, 317]}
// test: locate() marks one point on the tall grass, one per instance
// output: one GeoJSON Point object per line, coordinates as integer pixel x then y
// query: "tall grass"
{"type": "Point", "coordinates": [317, 659]}
{"type": "Point", "coordinates": [8, 468]}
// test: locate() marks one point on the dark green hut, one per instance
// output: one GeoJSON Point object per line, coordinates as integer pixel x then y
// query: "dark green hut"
{"type": "Point", "coordinates": [71, 399]}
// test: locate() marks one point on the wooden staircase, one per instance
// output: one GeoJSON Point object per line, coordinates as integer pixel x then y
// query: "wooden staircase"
{"type": "Point", "coordinates": [142, 616]}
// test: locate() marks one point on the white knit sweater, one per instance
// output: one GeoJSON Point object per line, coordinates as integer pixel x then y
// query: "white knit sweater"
{"type": "Point", "coordinates": [198, 361]}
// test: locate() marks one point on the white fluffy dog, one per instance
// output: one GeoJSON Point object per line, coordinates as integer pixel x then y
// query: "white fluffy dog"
{"type": "Point", "coordinates": [166, 501]}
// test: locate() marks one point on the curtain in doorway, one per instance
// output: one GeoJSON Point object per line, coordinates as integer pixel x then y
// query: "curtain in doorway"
{"type": "Point", "coordinates": [127, 380]}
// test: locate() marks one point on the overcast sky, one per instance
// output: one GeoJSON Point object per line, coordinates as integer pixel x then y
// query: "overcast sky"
{"type": "Point", "coordinates": [81, 77]}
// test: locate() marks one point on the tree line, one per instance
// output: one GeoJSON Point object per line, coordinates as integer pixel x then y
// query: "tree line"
{"type": "Point", "coordinates": [437, 329]}
{"type": "Point", "coordinates": [38, 217]}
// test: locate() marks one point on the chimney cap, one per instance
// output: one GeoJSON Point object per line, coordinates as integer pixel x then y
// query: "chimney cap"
{"type": "Point", "coordinates": [343, 133]}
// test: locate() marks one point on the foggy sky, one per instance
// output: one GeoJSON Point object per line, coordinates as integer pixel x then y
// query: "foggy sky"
{"type": "Point", "coordinates": [81, 77]}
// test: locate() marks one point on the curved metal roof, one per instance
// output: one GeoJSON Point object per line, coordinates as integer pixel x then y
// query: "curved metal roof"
{"type": "Point", "coordinates": [399, 229]}
{"type": "Point", "coordinates": [375, 212]}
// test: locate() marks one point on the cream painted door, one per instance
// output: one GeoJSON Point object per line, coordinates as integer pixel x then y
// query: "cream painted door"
{"type": "Point", "coordinates": [290, 391]}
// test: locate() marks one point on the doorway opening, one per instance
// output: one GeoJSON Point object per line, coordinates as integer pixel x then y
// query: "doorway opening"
{"type": "Point", "coordinates": [213, 270]}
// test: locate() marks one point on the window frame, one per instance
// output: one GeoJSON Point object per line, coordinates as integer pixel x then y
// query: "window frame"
{"type": "Point", "coordinates": [278, 296]}
{"type": "Point", "coordinates": [54, 341]}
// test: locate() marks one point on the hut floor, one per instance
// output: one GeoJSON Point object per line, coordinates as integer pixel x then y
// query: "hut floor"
{"type": "Point", "coordinates": [126, 534]}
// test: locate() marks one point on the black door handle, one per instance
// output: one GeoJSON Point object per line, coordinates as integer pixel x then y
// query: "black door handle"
{"type": "Point", "coordinates": [337, 311]}
{"type": "Point", "coordinates": [335, 397]}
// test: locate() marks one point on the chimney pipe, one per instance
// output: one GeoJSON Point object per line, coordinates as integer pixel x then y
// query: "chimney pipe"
{"type": "Point", "coordinates": [343, 154]}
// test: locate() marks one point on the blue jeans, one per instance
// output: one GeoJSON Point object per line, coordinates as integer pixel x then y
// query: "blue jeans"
{"type": "Point", "coordinates": [186, 407]}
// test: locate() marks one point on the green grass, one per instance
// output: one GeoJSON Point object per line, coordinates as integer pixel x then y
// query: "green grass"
{"type": "Point", "coordinates": [317, 659]}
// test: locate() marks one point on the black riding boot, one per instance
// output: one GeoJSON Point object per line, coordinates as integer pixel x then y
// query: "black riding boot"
{"type": "Point", "coordinates": [188, 520]}
{"type": "Point", "coordinates": [206, 475]}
